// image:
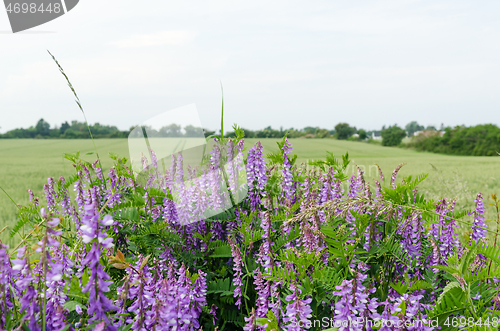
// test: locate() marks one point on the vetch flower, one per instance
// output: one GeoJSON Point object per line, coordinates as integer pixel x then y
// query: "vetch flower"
{"type": "Point", "coordinates": [287, 181]}
{"type": "Point", "coordinates": [98, 283]}
{"type": "Point", "coordinates": [478, 225]}
{"type": "Point", "coordinates": [256, 175]}
{"type": "Point", "coordinates": [238, 264]}
{"type": "Point", "coordinates": [298, 311]}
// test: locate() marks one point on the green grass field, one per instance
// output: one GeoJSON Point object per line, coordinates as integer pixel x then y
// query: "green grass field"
{"type": "Point", "coordinates": [27, 164]}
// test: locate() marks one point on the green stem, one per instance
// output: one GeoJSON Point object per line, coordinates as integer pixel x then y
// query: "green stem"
{"type": "Point", "coordinates": [222, 116]}
{"type": "Point", "coordinates": [61, 70]}
{"type": "Point", "coordinates": [1, 188]}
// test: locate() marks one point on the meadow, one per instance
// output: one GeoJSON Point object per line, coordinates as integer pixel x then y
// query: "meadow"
{"type": "Point", "coordinates": [179, 250]}
{"type": "Point", "coordinates": [27, 163]}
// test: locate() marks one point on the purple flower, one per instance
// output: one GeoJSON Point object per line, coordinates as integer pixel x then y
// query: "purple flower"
{"type": "Point", "coordinates": [413, 232]}
{"type": "Point", "coordinates": [113, 192]}
{"type": "Point", "coordinates": [478, 225]}
{"type": "Point", "coordinates": [327, 189]}
{"type": "Point", "coordinates": [395, 174]}
{"type": "Point", "coordinates": [238, 264]}
{"type": "Point", "coordinates": [169, 212]}
{"type": "Point", "coordinates": [86, 173]}
{"type": "Point", "coordinates": [354, 187]}
{"type": "Point", "coordinates": [213, 312]}
{"type": "Point", "coordinates": [298, 312]}
{"type": "Point", "coordinates": [50, 194]}
{"type": "Point", "coordinates": [354, 302]}
{"type": "Point", "coordinates": [263, 291]}
{"type": "Point", "coordinates": [97, 170]}
{"type": "Point", "coordinates": [179, 170]}
{"type": "Point", "coordinates": [24, 281]}
{"type": "Point", "coordinates": [256, 175]}
{"type": "Point", "coordinates": [98, 284]}
{"type": "Point", "coordinates": [414, 312]}
{"type": "Point", "coordinates": [378, 189]}
{"type": "Point", "coordinates": [310, 241]}
{"type": "Point", "coordinates": [80, 197]}
{"type": "Point", "coordinates": [198, 296]}
{"type": "Point", "coordinates": [287, 181]}
{"type": "Point", "coordinates": [449, 237]}
{"type": "Point", "coordinates": [142, 292]}
{"type": "Point", "coordinates": [387, 318]}
{"type": "Point", "coordinates": [65, 201]}
{"type": "Point", "coordinates": [251, 322]}
{"type": "Point", "coordinates": [5, 280]}
{"type": "Point", "coordinates": [264, 256]}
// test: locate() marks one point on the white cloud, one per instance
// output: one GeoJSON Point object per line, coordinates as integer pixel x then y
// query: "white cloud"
{"type": "Point", "coordinates": [156, 39]}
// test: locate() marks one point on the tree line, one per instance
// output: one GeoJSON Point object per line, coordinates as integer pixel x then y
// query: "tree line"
{"type": "Point", "coordinates": [75, 130]}
{"type": "Point", "coordinates": [460, 140]}
{"type": "Point", "coordinates": [78, 130]}
{"type": "Point", "coordinates": [479, 140]}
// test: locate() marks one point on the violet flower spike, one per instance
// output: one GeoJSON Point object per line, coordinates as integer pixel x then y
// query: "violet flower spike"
{"type": "Point", "coordinates": [256, 175]}
{"type": "Point", "coordinates": [287, 184]}
{"type": "Point", "coordinates": [238, 264]}
{"type": "Point", "coordinates": [478, 225]}
{"type": "Point", "coordinates": [99, 281]}
{"type": "Point", "coordinates": [298, 312]}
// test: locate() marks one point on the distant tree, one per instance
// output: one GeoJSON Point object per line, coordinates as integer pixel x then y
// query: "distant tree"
{"type": "Point", "coordinates": [393, 136]}
{"type": "Point", "coordinates": [208, 132]}
{"type": "Point", "coordinates": [269, 132]}
{"type": "Point", "coordinates": [321, 133]}
{"type": "Point", "coordinates": [292, 133]}
{"type": "Point", "coordinates": [431, 128]}
{"type": "Point", "coordinates": [310, 129]}
{"type": "Point", "coordinates": [172, 130]}
{"type": "Point", "coordinates": [42, 128]}
{"type": "Point", "coordinates": [413, 127]}
{"type": "Point", "coordinates": [192, 131]}
{"type": "Point", "coordinates": [479, 140]}
{"type": "Point", "coordinates": [344, 131]}
{"type": "Point", "coordinates": [65, 126]}
{"type": "Point", "coordinates": [362, 134]}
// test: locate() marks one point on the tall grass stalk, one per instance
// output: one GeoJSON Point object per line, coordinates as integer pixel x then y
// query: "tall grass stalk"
{"type": "Point", "coordinates": [222, 115]}
{"type": "Point", "coordinates": [61, 70]}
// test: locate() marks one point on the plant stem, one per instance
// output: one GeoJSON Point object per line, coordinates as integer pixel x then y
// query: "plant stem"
{"type": "Point", "coordinates": [61, 70]}
{"type": "Point", "coordinates": [222, 115]}
{"type": "Point", "coordinates": [1, 188]}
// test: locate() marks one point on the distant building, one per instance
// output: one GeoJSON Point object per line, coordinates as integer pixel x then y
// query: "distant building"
{"type": "Point", "coordinates": [376, 136]}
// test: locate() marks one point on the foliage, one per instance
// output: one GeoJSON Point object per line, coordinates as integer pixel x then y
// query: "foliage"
{"type": "Point", "coordinates": [362, 134]}
{"type": "Point", "coordinates": [413, 127]}
{"type": "Point", "coordinates": [75, 130]}
{"type": "Point", "coordinates": [479, 140]}
{"type": "Point", "coordinates": [315, 245]}
{"type": "Point", "coordinates": [344, 131]}
{"type": "Point", "coordinates": [392, 136]}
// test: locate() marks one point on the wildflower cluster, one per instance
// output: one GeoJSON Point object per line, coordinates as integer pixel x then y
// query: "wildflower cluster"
{"type": "Point", "coordinates": [256, 244]}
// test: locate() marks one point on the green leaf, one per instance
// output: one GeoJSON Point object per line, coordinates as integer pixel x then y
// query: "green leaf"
{"type": "Point", "coordinates": [71, 305]}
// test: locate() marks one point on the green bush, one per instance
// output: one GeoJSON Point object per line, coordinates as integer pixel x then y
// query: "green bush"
{"type": "Point", "coordinates": [393, 136]}
{"type": "Point", "coordinates": [479, 140]}
{"type": "Point", "coordinates": [344, 131]}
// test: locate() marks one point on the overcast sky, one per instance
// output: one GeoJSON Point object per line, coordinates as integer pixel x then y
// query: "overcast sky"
{"type": "Point", "coordinates": [282, 63]}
